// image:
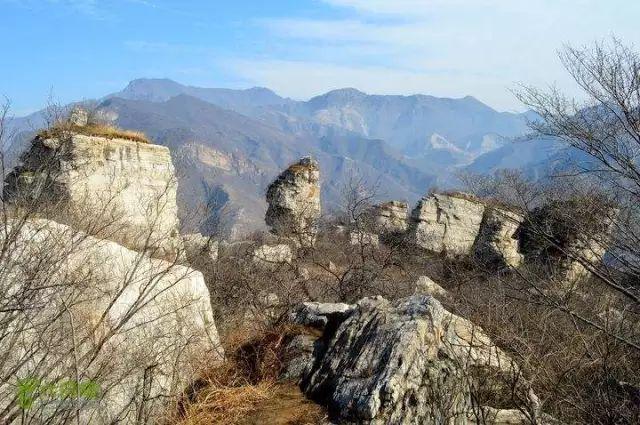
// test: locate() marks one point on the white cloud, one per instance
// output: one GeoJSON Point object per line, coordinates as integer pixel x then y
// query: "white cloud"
{"type": "Point", "coordinates": [445, 47]}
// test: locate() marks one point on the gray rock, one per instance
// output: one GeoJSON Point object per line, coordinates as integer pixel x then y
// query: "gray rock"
{"type": "Point", "coordinates": [298, 357]}
{"type": "Point", "coordinates": [563, 236]}
{"type": "Point", "coordinates": [447, 223]}
{"type": "Point", "coordinates": [404, 362]}
{"type": "Point", "coordinates": [294, 202]}
{"type": "Point", "coordinates": [497, 243]}
{"type": "Point", "coordinates": [200, 248]}
{"type": "Point", "coordinates": [391, 217]}
{"type": "Point", "coordinates": [79, 117]}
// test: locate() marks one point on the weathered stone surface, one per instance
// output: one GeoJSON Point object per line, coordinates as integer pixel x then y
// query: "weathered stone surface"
{"type": "Point", "coordinates": [358, 238]}
{"type": "Point", "coordinates": [299, 357]}
{"type": "Point", "coordinates": [199, 247]}
{"type": "Point", "coordinates": [446, 223]}
{"type": "Point", "coordinates": [294, 202]}
{"type": "Point", "coordinates": [405, 362]}
{"type": "Point", "coordinates": [561, 235]}
{"type": "Point", "coordinates": [391, 217]}
{"type": "Point", "coordinates": [123, 189]}
{"type": "Point", "coordinates": [273, 255]}
{"type": "Point", "coordinates": [426, 286]}
{"type": "Point", "coordinates": [317, 315]}
{"type": "Point", "coordinates": [497, 243]}
{"type": "Point", "coordinates": [152, 320]}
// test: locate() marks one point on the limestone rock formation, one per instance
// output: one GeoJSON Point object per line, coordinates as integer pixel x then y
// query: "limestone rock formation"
{"type": "Point", "coordinates": [407, 362]}
{"type": "Point", "coordinates": [139, 325]}
{"type": "Point", "coordinates": [447, 223]}
{"type": "Point", "coordinates": [123, 189]}
{"type": "Point", "coordinates": [294, 202]}
{"type": "Point", "coordinates": [79, 117]}
{"type": "Point", "coordinates": [498, 241]}
{"type": "Point", "coordinates": [562, 234]}
{"type": "Point", "coordinates": [391, 217]}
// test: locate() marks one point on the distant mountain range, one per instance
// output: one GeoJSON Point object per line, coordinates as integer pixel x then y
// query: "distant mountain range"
{"type": "Point", "coordinates": [228, 145]}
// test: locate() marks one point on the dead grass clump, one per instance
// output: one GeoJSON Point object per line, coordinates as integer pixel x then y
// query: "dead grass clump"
{"type": "Point", "coordinates": [98, 130]}
{"type": "Point", "coordinates": [246, 390]}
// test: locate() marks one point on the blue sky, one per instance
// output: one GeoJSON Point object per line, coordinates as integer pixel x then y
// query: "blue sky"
{"type": "Point", "coordinates": [75, 49]}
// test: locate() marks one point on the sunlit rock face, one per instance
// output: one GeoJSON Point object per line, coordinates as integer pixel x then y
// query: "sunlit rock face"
{"type": "Point", "coordinates": [447, 223]}
{"type": "Point", "coordinates": [410, 361]}
{"type": "Point", "coordinates": [294, 202]}
{"type": "Point", "coordinates": [128, 187]}
{"type": "Point", "coordinates": [138, 322]}
{"type": "Point", "coordinates": [498, 241]}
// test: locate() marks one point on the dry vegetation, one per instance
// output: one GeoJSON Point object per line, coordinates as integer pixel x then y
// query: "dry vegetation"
{"type": "Point", "coordinates": [99, 130]}
{"type": "Point", "coordinates": [247, 389]}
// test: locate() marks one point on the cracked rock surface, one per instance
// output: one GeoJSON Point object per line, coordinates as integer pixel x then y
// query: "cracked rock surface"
{"type": "Point", "coordinates": [409, 362]}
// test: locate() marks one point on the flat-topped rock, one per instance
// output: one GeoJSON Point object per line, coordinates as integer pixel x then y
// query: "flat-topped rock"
{"type": "Point", "coordinates": [124, 189]}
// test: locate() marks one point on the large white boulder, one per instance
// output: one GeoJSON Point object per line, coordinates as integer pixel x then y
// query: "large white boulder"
{"type": "Point", "coordinates": [92, 310]}
{"type": "Point", "coordinates": [447, 223]}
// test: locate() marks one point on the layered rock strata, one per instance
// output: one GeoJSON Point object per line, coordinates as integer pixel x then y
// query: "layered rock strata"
{"type": "Point", "coordinates": [118, 189]}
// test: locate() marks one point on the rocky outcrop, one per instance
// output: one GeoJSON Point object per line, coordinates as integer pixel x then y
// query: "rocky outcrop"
{"type": "Point", "coordinates": [391, 217]}
{"type": "Point", "coordinates": [294, 202]}
{"type": "Point", "coordinates": [118, 189]}
{"type": "Point", "coordinates": [562, 236]}
{"type": "Point", "coordinates": [138, 326]}
{"type": "Point", "coordinates": [411, 361]}
{"type": "Point", "coordinates": [447, 223]}
{"type": "Point", "coordinates": [497, 244]}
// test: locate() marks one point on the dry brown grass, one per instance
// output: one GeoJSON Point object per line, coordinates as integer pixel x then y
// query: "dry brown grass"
{"type": "Point", "coordinates": [99, 130]}
{"type": "Point", "coordinates": [246, 390]}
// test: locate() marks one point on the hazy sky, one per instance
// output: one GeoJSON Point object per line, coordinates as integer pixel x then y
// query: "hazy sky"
{"type": "Point", "coordinates": [79, 49]}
